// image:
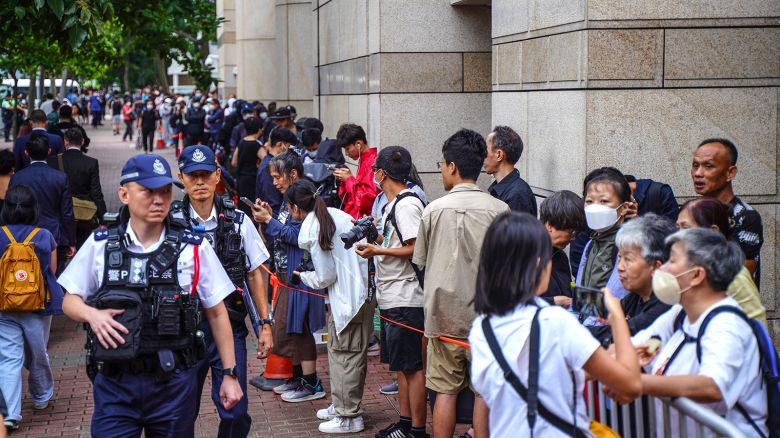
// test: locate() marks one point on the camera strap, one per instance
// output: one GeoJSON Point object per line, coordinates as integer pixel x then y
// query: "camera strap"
{"type": "Point", "coordinates": [371, 280]}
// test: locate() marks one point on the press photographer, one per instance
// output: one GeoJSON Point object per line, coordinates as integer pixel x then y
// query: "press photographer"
{"type": "Point", "coordinates": [400, 295]}
{"type": "Point", "coordinates": [350, 324]}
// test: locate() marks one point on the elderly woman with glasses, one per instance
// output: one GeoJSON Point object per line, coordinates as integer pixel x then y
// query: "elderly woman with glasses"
{"type": "Point", "coordinates": [640, 244]}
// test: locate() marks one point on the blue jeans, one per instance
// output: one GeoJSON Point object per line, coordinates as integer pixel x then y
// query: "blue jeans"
{"type": "Point", "coordinates": [23, 340]}
{"type": "Point", "coordinates": [235, 422]}
{"type": "Point", "coordinates": [126, 404]}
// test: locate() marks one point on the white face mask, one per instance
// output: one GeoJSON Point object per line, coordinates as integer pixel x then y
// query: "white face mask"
{"type": "Point", "coordinates": [667, 288]}
{"type": "Point", "coordinates": [379, 183]}
{"type": "Point", "coordinates": [600, 217]}
{"type": "Point", "coordinates": [149, 106]}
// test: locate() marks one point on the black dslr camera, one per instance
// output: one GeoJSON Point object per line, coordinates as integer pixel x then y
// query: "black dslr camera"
{"type": "Point", "coordinates": [306, 265]}
{"type": "Point", "coordinates": [364, 228]}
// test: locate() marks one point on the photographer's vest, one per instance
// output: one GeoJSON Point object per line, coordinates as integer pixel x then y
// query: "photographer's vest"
{"type": "Point", "coordinates": [227, 243]}
{"type": "Point", "coordinates": [161, 317]}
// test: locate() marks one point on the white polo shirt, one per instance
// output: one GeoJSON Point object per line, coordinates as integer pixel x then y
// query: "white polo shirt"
{"type": "Point", "coordinates": [564, 347]}
{"type": "Point", "coordinates": [84, 274]}
{"type": "Point", "coordinates": [253, 245]}
{"type": "Point", "coordinates": [729, 356]}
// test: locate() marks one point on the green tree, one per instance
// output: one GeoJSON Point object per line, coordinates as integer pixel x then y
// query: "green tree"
{"type": "Point", "coordinates": [169, 30]}
{"type": "Point", "coordinates": [38, 34]}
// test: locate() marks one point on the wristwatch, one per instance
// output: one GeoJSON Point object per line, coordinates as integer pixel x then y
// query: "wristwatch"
{"type": "Point", "coordinates": [232, 371]}
{"type": "Point", "coordinates": [269, 321]}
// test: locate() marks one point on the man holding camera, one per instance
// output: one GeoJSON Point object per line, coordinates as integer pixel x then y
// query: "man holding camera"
{"type": "Point", "coordinates": [241, 252]}
{"type": "Point", "coordinates": [400, 296]}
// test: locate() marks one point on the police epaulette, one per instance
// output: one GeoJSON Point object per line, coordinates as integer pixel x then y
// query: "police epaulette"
{"type": "Point", "coordinates": [100, 234]}
{"type": "Point", "coordinates": [193, 237]}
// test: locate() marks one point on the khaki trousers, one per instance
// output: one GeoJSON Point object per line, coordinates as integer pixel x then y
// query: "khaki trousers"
{"type": "Point", "coordinates": [347, 358]}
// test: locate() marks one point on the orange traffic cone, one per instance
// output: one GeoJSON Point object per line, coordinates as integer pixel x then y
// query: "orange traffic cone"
{"type": "Point", "coordinates": [180, 145]}
{"type": "Point", "coordinates": [277, 371]}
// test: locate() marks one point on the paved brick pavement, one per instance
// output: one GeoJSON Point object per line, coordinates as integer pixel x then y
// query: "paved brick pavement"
{"type": "Point", "coordinates": [69, 413]}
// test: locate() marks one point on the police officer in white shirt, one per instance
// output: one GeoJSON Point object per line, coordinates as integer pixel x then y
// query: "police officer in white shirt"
{"type": "Point", "coordinates": [724, 373]}
{"type": "Point", "coordinates": [241, 251]}
{"type": "Point", "coordinates": [148, 268]}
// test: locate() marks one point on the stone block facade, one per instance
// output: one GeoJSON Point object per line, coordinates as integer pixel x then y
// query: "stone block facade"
{"type": "Point", "coordinates": [637, 85]}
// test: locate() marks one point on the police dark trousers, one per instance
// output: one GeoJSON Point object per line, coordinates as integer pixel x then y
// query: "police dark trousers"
{"type": "Point", "coordinates": [147, 384]}
{"type": "Point", "coordinates": [126, 404]}
{"type": "Point", "coordinates": [235, 422]}
{"type": "Point", "coordinates": [226, 240]}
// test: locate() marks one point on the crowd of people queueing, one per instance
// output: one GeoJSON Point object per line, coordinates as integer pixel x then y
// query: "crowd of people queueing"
{"type": "Point", "coordinates": [484, 274]}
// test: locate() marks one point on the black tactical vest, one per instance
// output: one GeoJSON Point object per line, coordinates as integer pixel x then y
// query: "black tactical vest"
{"type": "Point", "coordinates": [159, 314]}
{"type": "Point", "coordinates": [226, 240]}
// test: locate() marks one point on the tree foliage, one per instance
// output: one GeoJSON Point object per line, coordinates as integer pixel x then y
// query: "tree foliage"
{"type": "Point", "coordinates": [96, 39]}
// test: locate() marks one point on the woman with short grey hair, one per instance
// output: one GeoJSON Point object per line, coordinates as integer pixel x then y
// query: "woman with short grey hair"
{"type": "Point", "coordinates": [707, 352]}
{"type": "Point", "coordinates": [640, 244]}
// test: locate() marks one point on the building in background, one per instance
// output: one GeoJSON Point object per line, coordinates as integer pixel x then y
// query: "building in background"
{"type": "Point", "coordinates": [587, 83]}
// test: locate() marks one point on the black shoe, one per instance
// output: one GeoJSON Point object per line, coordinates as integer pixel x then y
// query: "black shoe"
{"type": "Point", "coordinates": [392, 431]}
{"type": "Point", "coordinates": [11, 424]}
{"type": "Point", "coordinates": [425, 435]}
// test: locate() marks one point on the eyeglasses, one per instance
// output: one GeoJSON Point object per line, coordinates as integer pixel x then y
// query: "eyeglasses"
{"type": "Point", "coordinates": [439, 164]}
{"type": "Point", "coordinates": [375, 169]}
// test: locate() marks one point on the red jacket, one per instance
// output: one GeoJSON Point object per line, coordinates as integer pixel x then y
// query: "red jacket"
{"type": "Point", "coordinates": [358, 193]}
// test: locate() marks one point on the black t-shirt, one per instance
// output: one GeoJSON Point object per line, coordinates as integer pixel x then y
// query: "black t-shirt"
{"type": "Point", "coordinates": [116, 108]}
{"type": "Point", "coordinates": [148, 119]}
{"type": "Point", "coordinates": [748, 232]}
{"type": "Point", "coordinates": [247, 157]}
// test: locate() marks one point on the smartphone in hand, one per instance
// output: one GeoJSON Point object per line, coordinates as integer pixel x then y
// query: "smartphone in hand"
{"type": "Point", "coordinates": [589, 301]}
{"type": "Point", "coordinates": [246, 201]}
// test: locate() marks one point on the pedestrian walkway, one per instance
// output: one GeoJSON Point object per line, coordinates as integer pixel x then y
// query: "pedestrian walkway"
{"type": "Point", "coordinates": [69, 413]}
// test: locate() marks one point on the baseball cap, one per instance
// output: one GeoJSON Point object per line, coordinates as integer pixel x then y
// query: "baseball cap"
{"type": "Point", "coordinates": [247, 108]}
{"type": "Point", "coordinates": [310, 122]}
{"type": "Point", "coordinates": [149, 170]}
{"type": "Point", "coordinates": [285, 112]}
{"type": "Point", "coordinates": [395, 161]}
{"type": "Point", "coordinates": [198, 157]}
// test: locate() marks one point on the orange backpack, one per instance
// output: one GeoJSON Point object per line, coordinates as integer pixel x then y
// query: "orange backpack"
{"type": "Point", "coordinates": [22, 288]}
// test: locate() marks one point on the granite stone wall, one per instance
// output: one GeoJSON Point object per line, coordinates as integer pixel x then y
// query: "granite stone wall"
{"type": "Point", "coordinates": [411, 73]}
{"type": "Point", "coordinates": [637, 85]}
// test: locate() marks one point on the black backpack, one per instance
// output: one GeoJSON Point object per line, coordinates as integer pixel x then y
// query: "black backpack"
{"type": "Point", "coordinates": [322, 177]}
{"type": "Point", "coordinates": [391, 217]}
{"type": "Point", "coordinates": [769, 363]}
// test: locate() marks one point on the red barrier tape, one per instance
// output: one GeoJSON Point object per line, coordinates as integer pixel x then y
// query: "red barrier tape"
{"type": "Point", "coordinates": [275, 283]}
{"type": "Point", "coordinates": [196, 275]}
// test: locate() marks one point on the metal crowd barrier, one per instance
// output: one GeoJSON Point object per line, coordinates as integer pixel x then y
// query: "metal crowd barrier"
{"type": "Point", "coordinates": [638, 418]}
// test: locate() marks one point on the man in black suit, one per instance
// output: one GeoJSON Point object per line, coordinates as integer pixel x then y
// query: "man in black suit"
{"type": "Point", "coordinates": [66, 122]}
{"type": "Point", "coordinates": [84, 176]}
{"type": "Point", "coordinates": [55, 205]}
{"type": "Point", "coordinates": [39, 122]}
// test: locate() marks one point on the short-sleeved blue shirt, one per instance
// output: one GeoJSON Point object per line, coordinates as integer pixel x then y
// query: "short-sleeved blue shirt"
{"type": "Point", "coordinates": [44, 245]}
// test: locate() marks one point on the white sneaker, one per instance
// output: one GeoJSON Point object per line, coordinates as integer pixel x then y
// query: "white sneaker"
{"type": "Point", "coordinates": [343, 425]}
{"type": "Point", "coordinates": [328, 413]}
